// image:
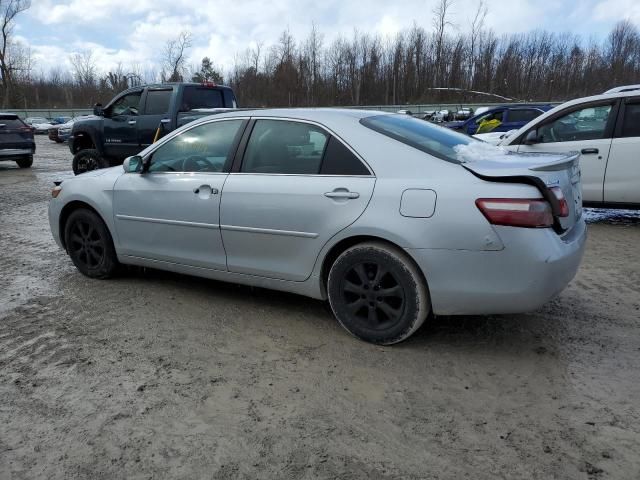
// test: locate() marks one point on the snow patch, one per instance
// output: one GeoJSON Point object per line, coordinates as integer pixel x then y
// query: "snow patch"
{"type": "Point", "coordinates": [478, 151]}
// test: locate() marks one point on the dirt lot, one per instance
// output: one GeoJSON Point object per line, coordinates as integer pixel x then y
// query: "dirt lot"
{"type": "Point", "coordinates": [156, 375]}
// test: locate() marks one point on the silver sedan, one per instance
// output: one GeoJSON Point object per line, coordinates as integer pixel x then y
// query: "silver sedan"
{"type": "Point", "coordinates": [390, 218]}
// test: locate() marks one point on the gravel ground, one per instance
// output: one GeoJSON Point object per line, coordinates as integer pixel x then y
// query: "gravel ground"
{"type": "Point", "coordinates": [157, 375]}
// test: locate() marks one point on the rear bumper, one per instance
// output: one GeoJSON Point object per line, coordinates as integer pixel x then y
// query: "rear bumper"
{"type": "Point", "coordinates": [535, 266]}
{"type": "Point", "coordinates": [12, 153]}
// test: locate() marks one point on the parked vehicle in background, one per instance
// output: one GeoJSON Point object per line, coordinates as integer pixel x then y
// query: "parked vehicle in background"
{"type": "Point", "coordinates": [61, 133]}
{"type": "Point", "coordinates": [131, 120]}
{"type": "Point", "coordinates": [41, 128]}
{"type": "Point", "coordinates": [16, 140]}
{"type": "Point", "coordinates": [605, 129]}
{"type": "Point", "coordinates": [60, 120]}
{"type": "Point", "coordinates": [464, 113]}
{"type": "Point", "coordinates": [440, 116]}
{"type": "Point", "coordinates": [499, 119]}
{"type": "Point", "coordinates": [35, 120]}
{"type": "Point", "coordinates": [285, 199]}
{"type": "Point", "coordinates": [624, 88]}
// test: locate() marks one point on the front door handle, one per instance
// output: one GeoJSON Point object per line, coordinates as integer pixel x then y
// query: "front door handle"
{"type": "Point", "coordinates": [588, 151]}
{"type": "Point", "coordinates": [132, 122]}
{"type": "Point", "coordinates": [205, 189]}
{"type": "Point", "coordinates": [342, 194]}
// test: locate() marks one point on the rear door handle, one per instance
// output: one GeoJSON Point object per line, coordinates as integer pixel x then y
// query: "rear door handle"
{"type": "Point", "coordinates": [342, 194]}
{"type": "Point", "coordinates": [587, 151]}
{"type": "Point", "coordinates": [132, 122]}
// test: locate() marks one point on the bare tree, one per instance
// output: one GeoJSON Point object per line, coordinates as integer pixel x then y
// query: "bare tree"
{"type": "Point", "coordinates": [441, 21]}
{"type": "Point", "coordinates": [11, 59]}
{"type": "Point", "coordinates": [84, 68]}
{"type": "Point", "coordinates": [174, 57]}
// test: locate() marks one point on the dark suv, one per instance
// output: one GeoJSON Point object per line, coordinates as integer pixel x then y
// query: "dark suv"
{"type": "Point", "coordinates": [16, 140]}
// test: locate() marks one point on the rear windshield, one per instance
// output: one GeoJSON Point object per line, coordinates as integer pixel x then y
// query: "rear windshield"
{"type": "Point", "coordinates": [201, 97]}
{"type": "Point", "coordinates": [420, 134]}
{"type": "Point", "coordinates": [10, 122]}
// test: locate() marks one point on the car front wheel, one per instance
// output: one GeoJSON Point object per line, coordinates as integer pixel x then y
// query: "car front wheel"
{"type": "Point", "coordinates": [377, 293]}
{"type": "Point", "coordinates": [89, 244]}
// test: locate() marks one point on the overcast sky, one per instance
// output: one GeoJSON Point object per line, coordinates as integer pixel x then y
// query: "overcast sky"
{"type": "Point", "coordinates": [131, 31]}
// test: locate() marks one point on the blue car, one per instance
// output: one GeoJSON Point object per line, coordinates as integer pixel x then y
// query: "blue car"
{"type": "Point", "coordinates": [510, 117]}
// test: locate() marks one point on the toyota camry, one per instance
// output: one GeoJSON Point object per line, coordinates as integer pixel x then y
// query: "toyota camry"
{"type": "Point", "coordinates": [389, 218]}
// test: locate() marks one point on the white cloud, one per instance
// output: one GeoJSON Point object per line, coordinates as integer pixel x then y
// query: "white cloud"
{"type": "Point", "coordinates": [134, 31]}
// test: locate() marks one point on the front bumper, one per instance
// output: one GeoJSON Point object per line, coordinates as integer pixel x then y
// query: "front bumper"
{"type": "Point", "coordinates": [55, 208]}
{"type": "Point", "coordinates": [535, 266]}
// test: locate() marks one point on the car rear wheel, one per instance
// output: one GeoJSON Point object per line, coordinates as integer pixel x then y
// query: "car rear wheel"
{"type": "Point", "coordinates": [87, 160]}
{"type": "Point", "coordinates": [89, 244]}
{"type": "Point", "coordinates": [25, 162]}
{"type": "Point", "coordinates": [377, 293]}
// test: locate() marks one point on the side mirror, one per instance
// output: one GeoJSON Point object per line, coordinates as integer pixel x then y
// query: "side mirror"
{"type": "Point", "coordinates": [98, 110]}
{"type": "Point", "coordinates": [133, 164]}
{"type": "Point", "coordinates": [531, 138]}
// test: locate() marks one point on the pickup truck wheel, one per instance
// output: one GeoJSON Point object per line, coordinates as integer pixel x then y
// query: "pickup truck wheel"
{"type": "Point", "coordinates": [89, 244]}
{"type": "Point", "coordinates": [86, 160]}
{"type": "Point", "coordinates": [25, 162]}
{"type": "Point", "coordinates": [377, 293]}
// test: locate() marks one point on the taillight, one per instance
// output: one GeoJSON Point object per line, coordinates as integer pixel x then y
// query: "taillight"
{"type": "Point", "coordinates": [517, 212]}
{"type": "Point", "coordinates": [562, 202]}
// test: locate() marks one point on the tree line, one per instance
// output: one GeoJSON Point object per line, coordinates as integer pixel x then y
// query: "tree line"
{"type": "Point", "coordinates": [431, 64]}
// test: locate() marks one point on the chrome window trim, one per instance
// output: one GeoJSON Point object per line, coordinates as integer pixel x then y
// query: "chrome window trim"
{"type": "Point", "coordinates": [301, 175]}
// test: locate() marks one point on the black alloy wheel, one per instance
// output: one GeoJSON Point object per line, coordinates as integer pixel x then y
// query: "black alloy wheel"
{"type": "Point", "coordinates": [89, 244]}
{"type": "Point", "coordinates": [377, 293]}
{"type": "Point", "coordinates": [373, 296]}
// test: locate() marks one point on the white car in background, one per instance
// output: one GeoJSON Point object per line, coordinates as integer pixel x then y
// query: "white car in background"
{"type": "Point", "coordinates": [605, 129]}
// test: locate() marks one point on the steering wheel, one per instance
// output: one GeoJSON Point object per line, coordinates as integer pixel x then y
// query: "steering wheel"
{"type": "Point", "coordinates": [194, 163]}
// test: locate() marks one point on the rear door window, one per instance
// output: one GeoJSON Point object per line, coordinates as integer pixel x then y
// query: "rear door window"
{"type": "Point", "coordinates": [631, 120]}
{"type": "Point", "coordinates": [339, 160]}
{"type": "Point", "coordinates": [284, 147]}
{"type": "Point", "coordinates": [158, 102]}
{"type": "Point", "coordinates": [201, 97]}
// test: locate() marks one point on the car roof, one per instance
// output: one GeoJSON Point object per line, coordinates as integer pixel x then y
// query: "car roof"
{"type": "Point", "coordinates": [623, 89]}
{"type": "Point", "coordinates": [311, 114]}
{"type": "Point", "coordinates": [8, 115]}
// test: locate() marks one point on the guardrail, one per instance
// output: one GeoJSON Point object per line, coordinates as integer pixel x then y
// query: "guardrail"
{"type": "Point", "coordinates": [415, 108]}
{"type": "Point", "coordinates": [49, 113]}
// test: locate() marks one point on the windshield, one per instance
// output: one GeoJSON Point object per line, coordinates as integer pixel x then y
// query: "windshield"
{"type": "Point", "coordinates": [437, 141]}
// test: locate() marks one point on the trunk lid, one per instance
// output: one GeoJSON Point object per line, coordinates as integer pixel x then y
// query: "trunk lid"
{"type": "Point", "coordinates": [543, 170]}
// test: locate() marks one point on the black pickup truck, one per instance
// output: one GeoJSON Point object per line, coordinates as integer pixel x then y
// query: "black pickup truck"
{"type": "Point", "coordinates": [134, 118]}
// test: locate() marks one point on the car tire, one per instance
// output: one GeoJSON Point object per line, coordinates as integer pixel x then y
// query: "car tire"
{"type": "Point", "coordinates": [87, 160]}
{"type": "Point", "coordinates": [89, 244]}
{"type": "Point", "coordinates": [25, 162]}
{"type": "Point", "coordinates": [377, 293]}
